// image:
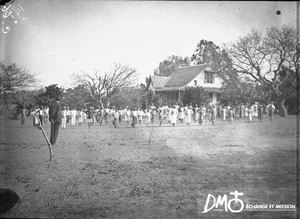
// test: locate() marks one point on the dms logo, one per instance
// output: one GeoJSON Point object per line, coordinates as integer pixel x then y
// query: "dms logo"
{"type": "Point", "coordinates": [234, 205]}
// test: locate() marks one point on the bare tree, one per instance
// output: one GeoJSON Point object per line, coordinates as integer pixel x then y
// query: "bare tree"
{"type": "Point", "coordinates": [262, 58]}
{"type": "Point", "coordinates": [105, 85]}
{"type": "Point", "coordinates": [13, 77]}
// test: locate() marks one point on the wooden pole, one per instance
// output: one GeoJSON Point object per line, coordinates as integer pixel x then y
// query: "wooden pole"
{"type": "Point", "coordinates": [45, 136]}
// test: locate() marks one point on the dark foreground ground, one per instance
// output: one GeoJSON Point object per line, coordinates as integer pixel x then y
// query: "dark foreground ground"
{"type": "Point", "coordinates": [115, 173]}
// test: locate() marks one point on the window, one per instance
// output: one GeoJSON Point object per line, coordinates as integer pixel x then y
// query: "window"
{"type": "Point", "coordinates": [195, 82]}
{"type": "Point", "coordinates": [209, 77]}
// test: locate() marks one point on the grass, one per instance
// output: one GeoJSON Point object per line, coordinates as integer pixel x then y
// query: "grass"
{"type": "Point", "coordinates": [115, 173]}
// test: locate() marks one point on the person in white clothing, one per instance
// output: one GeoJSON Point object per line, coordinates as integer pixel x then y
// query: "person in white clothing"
{"type": "Point", "coordinates": [224, 112]}
{"type": "Point", "coordinates": [189, 113]}
{"type": "Point", "coordinates": [140, 115]}
{"type": "Point", "coordinates": [148, 117]}
{"type": "Point", "coordinates": [255, 109]}
{"type": "Point", "coordinates": [204, 110]}
{"type": "Point", "coordinates": [174, 114]}
{"type": "Point", "coordinates": [80, 117]}
{"type": "Point", "coordinates": [250, 114]}
{"type": "Point", "coordinates": [64, 118]}
{"type": "Point", "coordinates": [46, 115]}
{"type": "Point", "coordinates": [181, 114]}
{"type": "Point", "coordinates": [68, 114]}
{"type": "Point", "coordinates": [270, 111]}
{"type": "Point", "coordinates": [41, 115]}
{"type": "Point", "coordinates": [73, 116]}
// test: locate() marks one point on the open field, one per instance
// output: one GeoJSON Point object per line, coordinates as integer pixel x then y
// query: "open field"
{"type": "Point", "coordinates": [115, 173]}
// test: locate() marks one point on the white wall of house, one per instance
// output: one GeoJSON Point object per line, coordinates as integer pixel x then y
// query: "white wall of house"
{"type": "Point", "coordinates": [200, 81]}
{"type": "Point", "coordinates": [214, 101]}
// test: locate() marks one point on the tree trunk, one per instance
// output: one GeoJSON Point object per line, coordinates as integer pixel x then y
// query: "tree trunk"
{"type": "Point", "coordinates": [283, 109]}
{"type": "Point", "coordinates": [101, 104]}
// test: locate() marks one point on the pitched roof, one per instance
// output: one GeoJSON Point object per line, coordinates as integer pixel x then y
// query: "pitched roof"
{"type": "Point", "coordinates": [184, 75]}
{"type": "Point", "coordinates": [170, 89]}
{"type": "Point", "coordinates": [160, 81]}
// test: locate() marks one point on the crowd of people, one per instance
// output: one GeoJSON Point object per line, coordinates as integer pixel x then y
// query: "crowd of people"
{"type": "Point", "coordinates": [158, 115]}
{"type": "Point", "coordinates": [60, 116]}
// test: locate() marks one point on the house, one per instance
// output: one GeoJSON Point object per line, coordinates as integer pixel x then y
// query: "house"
{"type": "Point", "coordinates": [173, 86]}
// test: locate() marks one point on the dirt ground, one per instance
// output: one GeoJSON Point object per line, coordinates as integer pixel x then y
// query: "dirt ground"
{"type": "Point", "coordinates": [115, 173]}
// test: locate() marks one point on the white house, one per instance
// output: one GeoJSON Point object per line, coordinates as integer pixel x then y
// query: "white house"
{"type": "Point", "coordinates": [173, 86]}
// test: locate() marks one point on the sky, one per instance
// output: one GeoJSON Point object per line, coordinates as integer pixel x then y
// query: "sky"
{"type": "Point", "coordinates": [56, 38]}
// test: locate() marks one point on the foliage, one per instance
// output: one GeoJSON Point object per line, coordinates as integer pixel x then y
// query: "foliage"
{"type": "Point", "coordinates": [270, 59]}
{"type": "Point", "coordinates": [77, 97]}
{"type": "Point", "coordinates": [149, 98]}
{"type": "Point", "coordinates": [23, 98]}
{"type": "Point", "coordinates": [242, 93]}
{"type": "Point", "coordinates": [195, 96]}
{"type": "Point", "coordinates": [105, 86]}
{"type": "Point", "coordinates": [170, 65]}
{"type": "Point", "coordinates": [208, 52]}
{"type": "Point", "coordinates": [127, 96]}
{"type": "Point", "coordinates": [51, 92]}
{"type": "Point", "coordinates": [14, 78]}
{"type": "Point", "coordinates": [288, 91]}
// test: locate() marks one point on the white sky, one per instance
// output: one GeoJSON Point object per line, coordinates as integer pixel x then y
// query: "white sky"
{"type": "Point", "coordinates": [61, 37]}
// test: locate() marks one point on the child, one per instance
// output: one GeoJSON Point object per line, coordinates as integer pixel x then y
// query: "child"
{"type": "Point", "coordinates": [116, 115]}
{"type": "Point", "coordinates": [271, 110]}
{"type": "Point", "coordinates": [148, 116]}
{"type": "Point", "coordinates": [152, 113]}
{"type": "Point", "coordinates": [140, 115]}
{"type": "Point", "coordinates": [160, 117]}
{"type": "Point", "coordinates": [181, 114]}
{"type": "Point", "coordinates": [90, 113]}
{"type": "Point", "coordinates": [80, 117]}
{"type": "Point", "coordinates": [231, 115]}
{"type": "Point", "coordinates": [260, 113]}
{"type": "Point", "coordinates": [174, 113]}
{"type": "Point", "coordinates": [201, 115]}
{"type": "Point", "coordinates": [73, 116]}
{"type": "Point", "coordinates": [250, 114]}
{"type": "Point", "coordinates": [134, 118]}
{"type": "Point", "coordinates": [189, 113]}
{"type": "Point", "coordinates": [64, 118]}
{"type": "Point", "coordinates": [24, 112]}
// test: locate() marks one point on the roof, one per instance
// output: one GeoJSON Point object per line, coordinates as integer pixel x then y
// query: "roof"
{"type": "Point", "coordinates": [170, 89]}
{"type": "Point", "coordinates": [160, 81]}
{"type": "Point", "coordinates": [212, 89]}
{"type": "Point", "coordinates": [184, 75]}
{"type": "Point", "coordinates": [208, 89]}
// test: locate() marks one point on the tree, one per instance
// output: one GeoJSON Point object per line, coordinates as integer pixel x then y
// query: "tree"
{"type": "Point", "coordinates": [105, 86]}
{"type": "Point", "coordinates": [262, 58]}
{"type": "Point", "coordinates": [127, 96]}
{"type": "Point", "coordinates": [288, 90]}
{"type": "Point", "coordinates": [76, 97]}
{"type": "Point", "coordinates": [14, 78]}
{"type": "Point", "coordinates": [195, 96]}
{"type": "Point", "coordinates": [208, 52]}
{"type": "Point", "coordinates": [243, 92]}
{"type": "Point", "coordinates": [170, 65]}
{"type": "Point", "coordinates": [22, 98]}
{"type": "Point", "coordinates": [51, 92]}
{"type": "Point", "coordinates": [149, 98]}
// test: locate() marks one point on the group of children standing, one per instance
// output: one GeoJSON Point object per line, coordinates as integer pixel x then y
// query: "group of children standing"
{"type": "Point", "coordinates": [41, 111]}
{"type": "Point", "coordinates": [170, 115]}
